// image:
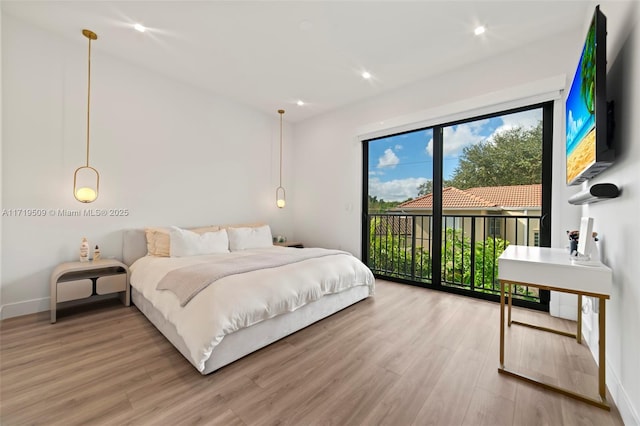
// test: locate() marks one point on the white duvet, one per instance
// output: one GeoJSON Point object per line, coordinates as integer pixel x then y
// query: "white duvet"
{"type": "Point", "coordinates": [241, 300]}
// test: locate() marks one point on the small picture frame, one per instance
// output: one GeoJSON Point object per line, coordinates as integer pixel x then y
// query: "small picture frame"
{"type": "Point", "coordinates": [585, 242]}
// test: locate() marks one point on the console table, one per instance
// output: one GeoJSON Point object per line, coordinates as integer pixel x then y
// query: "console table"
{"type": "Point", "coordinates": [552, 269]}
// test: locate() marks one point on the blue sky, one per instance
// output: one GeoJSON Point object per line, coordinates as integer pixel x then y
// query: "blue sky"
{"type": "Point", "coordinates": [398, 164]}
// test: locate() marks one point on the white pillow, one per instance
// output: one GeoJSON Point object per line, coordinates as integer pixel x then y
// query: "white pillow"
{"type": "Point", "coordinates": [249, 238]}
{"type": "Point", "coordinates": [188, 243]}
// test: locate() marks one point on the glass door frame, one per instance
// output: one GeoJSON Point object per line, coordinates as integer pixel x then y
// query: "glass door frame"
{"type": "Point", "coordinates": [437, 178]}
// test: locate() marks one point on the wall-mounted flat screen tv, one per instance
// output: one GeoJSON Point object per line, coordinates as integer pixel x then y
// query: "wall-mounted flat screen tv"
{"type": "Point", "coordinates": [588, 151]}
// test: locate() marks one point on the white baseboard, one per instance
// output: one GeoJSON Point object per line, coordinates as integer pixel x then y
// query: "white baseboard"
{"type": "Point", "coordinates": [26, 307]}
{"type": "Point", "coordinates": [627, 411]}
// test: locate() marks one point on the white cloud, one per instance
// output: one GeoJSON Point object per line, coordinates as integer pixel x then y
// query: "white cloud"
{"type": "Point", "coordinates": [395, 190]}
{"type": "Point", "coordinates": [388, 159]}
{"type": "Point", "coordinates": [429, 148]}
{"type": "Point", "coordinates": [525, 119]}
{"type": "Point", "coordinates": [398, 147]}
{"type": "Point", "coordinates": [457, 137]}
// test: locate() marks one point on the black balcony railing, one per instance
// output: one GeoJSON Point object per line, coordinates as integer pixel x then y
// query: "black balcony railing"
{"type": "Point", "coordinates": [400, 246]}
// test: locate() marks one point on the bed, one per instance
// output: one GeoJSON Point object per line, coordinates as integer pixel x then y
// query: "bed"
{"type": "Point", "coordinates": [243, 311]}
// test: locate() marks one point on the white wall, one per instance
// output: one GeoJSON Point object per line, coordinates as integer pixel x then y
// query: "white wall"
{"type": "Point", "coordinates": [328, 154]}
{"type": "Point", "coordinates": [328, 161]}
{"type": "Point", "coordinates": [167, 152]}
{"type": "Point", "coordinates": [1, 174]}
{"type": "Point", "coordinates": [616, 221]}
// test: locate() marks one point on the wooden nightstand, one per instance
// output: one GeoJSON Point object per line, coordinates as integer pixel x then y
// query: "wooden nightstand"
{"type": "Point", "coordinates": [289, 244]}
{"type": "Point", "coordinates": [81, 280]}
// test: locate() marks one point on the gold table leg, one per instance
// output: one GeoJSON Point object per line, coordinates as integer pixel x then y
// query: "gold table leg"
{"type": "Point", "coordinates": [510, 302]}
{"type": "Point", "coordinates": [502, 324]}
{"type": "Point", "coordinates": [601, 349]}
{"type": "Point", "coordinates": [579, 326]}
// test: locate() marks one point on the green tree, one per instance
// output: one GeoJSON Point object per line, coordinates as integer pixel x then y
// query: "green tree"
{"type": "Point", "coordinates": [514, 157]}
{"type": "Point", "coordinates": [456, 264]}
{"type": "Point", "coordinates": [391, 254]}
{"type": "Point", "coordinates": [380, 206]}
{"type": "Point", "coordinates": [425, 188]}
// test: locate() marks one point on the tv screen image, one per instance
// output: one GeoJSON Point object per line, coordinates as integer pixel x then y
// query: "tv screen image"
{"type": "Point", "coordinates": [581, 112]}
{"type": "Point", "coordinates": [586, 108]}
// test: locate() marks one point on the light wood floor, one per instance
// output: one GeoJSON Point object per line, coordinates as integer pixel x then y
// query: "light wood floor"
{"type": "Point", "coordinates": [407, 356]}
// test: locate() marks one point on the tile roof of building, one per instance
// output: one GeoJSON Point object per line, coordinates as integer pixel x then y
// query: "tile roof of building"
{"type": "Point", "coordinates": [481, 197]}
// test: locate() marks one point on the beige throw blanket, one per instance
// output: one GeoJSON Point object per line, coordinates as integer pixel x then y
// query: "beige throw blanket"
{"type": "Point", "coordinates": [188, 281]}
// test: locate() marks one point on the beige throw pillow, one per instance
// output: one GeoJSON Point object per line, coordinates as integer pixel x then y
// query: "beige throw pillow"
{"type": "Point", "coordinates": [159, 242]}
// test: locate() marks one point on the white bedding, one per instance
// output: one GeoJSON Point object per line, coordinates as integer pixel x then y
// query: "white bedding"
{"type": "Point", "coordinates": [241, 300]}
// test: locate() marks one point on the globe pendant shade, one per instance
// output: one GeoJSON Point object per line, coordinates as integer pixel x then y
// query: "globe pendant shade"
{"type": "Point", "coordinates": [85, 195]}
{"type": "Point", "coordinates": [86, 182]}
{"type": "Point", "coordinates": [280, 197]}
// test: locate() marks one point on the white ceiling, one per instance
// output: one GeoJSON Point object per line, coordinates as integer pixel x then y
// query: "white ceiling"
{"type": "Point", "coordinates": [269, 54]}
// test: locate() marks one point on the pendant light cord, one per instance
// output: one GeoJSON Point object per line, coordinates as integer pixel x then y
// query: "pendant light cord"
{"type": "Point", "coordinates": [88, 99]}
{"type": "Point", "coordinates": [281, 111]}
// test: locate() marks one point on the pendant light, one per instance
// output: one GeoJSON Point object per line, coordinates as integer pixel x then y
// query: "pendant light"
{"type": "Point", "coordinates": [86, 179]}
{"type": "Point", "coordinates": [281, 197]}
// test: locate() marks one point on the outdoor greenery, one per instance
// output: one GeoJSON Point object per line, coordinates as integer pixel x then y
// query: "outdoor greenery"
{"type": "Point", "coordinates": [513, 157]}
{"type": "Point", "coordinates": [390, 255]}
{"type": "Point", "coordinates": [426, 188]}
{"type": "Point", "coordinates": [380, 206]}
{"type": "Point", "coordinates": [456, 260]}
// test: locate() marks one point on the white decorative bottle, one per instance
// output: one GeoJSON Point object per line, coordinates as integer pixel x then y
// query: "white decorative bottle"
{"type": "Point", "coordinates": [84, 250]}
{"type": "Point", "coordinates": [96, 253]}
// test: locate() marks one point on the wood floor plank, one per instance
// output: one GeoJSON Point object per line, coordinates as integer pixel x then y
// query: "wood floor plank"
{"type": "Point", "coordinates": [453, 389]}
{"type": "Point", "coordinates": [303, 383]}
{"type": "Point", "coordinates": [535, 406]}
{"type": "Point", "coordinates": [407, 356]}
{"type": "Point", "coordinates": [401, 404]}
{"type": "Point", "coordinates": [347, 401]}
{"type": "Point", "coordinates": [488, 409]}
{"type": "Point", "coordinates": [489, 379]}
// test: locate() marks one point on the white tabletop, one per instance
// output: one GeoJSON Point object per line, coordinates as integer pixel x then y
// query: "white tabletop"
{"type": "Point", "coordinates": [553, 267]}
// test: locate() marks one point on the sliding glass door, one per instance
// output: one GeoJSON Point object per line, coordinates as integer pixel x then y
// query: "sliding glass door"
{"type": "Point", "coordinates": [441, 204]}
{"type": "Point", "coordinates": [399, 169]}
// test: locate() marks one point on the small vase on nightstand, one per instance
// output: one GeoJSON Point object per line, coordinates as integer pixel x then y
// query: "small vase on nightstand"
{"type": "Point", "coordinates": [96, 253]}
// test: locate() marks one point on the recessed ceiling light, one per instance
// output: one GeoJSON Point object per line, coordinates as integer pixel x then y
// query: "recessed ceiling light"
{"type": "Point", "coordinates": [366, 75]}
{"type": "Point", "coordinates": [139, 27]}
{"type": "Point", "coordinates": [300, 103]}
{"type": "Point", "coordinates": [479, 30]}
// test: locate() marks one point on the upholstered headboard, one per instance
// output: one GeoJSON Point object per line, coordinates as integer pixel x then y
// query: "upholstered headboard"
{"type": "Point", "coordinates": [134, 245]}
{"type": "Point", "coordinates": [134, 241]}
